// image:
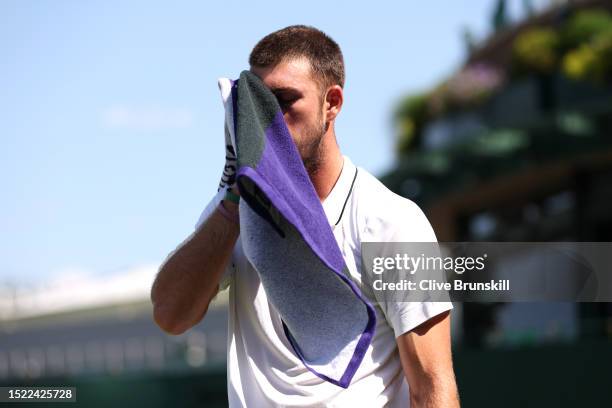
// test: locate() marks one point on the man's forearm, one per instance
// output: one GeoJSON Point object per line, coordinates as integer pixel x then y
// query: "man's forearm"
{"type": "Point", "coordinates": [189, 277]}
{"type": "Point", "coordinates": [426, 357]}
{"type": "Point", "coordinates": [435, 393]}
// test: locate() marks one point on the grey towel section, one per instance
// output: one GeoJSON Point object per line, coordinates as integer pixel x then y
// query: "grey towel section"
{"type": "Point", "coordinates": [296, 280]}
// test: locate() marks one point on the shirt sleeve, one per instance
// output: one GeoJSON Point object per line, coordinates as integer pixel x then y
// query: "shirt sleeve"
{"type": "Point", "coordinates": [404, 221]}
{"type": "Point", "coordinates": [210, 208]}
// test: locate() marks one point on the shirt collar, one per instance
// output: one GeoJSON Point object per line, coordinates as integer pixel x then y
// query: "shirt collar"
{"type": "Point", "coordinates": [334, 202]}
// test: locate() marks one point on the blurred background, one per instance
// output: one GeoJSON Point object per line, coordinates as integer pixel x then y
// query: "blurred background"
{"type": "Point", "coordinates": [494, 116]}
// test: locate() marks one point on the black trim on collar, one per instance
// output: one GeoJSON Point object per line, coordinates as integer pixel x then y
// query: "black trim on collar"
{"type": "Point", "coordinates": [347, 197]}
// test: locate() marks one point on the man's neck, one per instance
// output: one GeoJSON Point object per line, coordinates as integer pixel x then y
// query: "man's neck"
{"type": "Point", "coordinates": [329, 170]}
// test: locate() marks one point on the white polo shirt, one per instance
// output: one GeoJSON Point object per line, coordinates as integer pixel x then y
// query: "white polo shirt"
{"type": "Point", "coordinates": [263, 370]}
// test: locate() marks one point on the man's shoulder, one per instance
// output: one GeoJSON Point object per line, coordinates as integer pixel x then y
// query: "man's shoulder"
{"type": "Point", "coordinates": [387, 216]}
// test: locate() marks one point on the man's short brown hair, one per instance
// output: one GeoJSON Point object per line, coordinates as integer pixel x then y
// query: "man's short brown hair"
{"type": "Point", "coordinates": [326, 61]}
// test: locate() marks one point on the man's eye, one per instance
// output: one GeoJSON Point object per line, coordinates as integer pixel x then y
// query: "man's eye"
{"type": "Point", "coordinates": [286, 102]}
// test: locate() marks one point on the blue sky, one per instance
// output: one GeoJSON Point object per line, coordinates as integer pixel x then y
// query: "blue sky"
{"type": "Point", "coordinates": [111, 120]}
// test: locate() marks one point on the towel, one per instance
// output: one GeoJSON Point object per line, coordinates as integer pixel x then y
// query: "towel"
{"type": "Point", "coordinates": [287, 238]}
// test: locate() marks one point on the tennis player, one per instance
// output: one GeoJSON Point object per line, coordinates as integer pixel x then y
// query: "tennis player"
{"type": "Point", "coordinates": [408, 362]}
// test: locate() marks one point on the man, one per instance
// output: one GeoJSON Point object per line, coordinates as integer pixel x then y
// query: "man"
{"type": "Point", "coordinates": [408, 362]}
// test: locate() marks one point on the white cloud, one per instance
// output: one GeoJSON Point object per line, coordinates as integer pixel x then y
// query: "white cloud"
{"type": "Point", "coordinates": [147, 118]}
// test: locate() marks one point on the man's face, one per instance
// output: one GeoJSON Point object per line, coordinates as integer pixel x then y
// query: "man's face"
{"type": "Point", "coordinates": [299, 96]}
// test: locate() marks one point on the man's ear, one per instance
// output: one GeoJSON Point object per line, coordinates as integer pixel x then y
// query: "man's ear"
{"type": "Point", "coordinates": [333, 102]}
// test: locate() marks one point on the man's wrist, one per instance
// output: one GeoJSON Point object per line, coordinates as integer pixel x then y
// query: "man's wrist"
{"type": "Point", "coordinates": [229, 210]}
{"type": "Point", "coordinates": [230, 206]}
{"type": "Point", "coordinates": [231, 196]}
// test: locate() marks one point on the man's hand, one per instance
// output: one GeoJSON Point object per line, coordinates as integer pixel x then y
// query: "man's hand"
{"type": "Point", "coordinates": [426, 358]}
{"type": "Point", "coordinates": [228, 176]}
